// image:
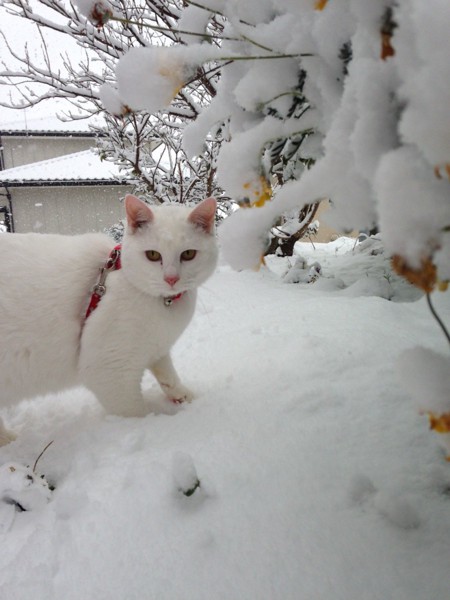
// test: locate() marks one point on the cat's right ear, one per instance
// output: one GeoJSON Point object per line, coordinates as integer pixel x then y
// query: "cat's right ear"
{"type": "Point", "coordinates": [139, 214]}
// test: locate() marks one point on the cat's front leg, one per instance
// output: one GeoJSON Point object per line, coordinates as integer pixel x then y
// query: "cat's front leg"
{"type": "Point", "coordinates": [117, 390]}
{"type": "Point", "coordinates": [169, 381]}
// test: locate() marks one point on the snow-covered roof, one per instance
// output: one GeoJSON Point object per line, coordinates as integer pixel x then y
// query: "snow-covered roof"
{"type": "Point", "coordinates": [47, 125]}
{"type": "Point", "coordinates": [80, 167]}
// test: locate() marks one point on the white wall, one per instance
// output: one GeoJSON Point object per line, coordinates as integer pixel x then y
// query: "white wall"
{"type": "Point", "coordinates": [68, 210]}
{"type": "Point", "coordinates": [20, 150]}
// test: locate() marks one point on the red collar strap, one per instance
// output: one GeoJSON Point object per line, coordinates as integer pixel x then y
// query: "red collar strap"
{"type": "Point", "coordinates": [114, 264]}
{"type": "Point", "coordinates": [168, 300]}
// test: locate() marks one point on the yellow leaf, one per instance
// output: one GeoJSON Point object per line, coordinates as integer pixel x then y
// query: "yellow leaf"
{"type": "Point", "coordinates": [439, 423]}
{"type": "Point", "coordinates": [320, 4]}
{"type": "Point", "coordinates": [259, 191]}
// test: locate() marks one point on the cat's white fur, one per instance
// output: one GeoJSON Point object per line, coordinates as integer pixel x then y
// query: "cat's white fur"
{"type": "Point", "coordinates": [46, 344]}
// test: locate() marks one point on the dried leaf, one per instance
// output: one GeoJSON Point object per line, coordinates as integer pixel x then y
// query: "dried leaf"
{"type": "Point", "coordinates": [100, 14]}
{"type": "Point", "coordinates": [387, 49]}
{"type": "Point", "coordinates": [442, 171]}
{"type": "Point", "coordinates": [388, 26]}
{"type": "Point", "coordinates": [424, 277]}
{"type": "Point", "coordinates": [259, 191]}
{"type": "Point", "coordinates": [439, 423]}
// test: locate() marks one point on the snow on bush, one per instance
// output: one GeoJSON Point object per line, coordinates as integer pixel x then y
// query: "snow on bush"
{"type": "Point", "coordinates": [426, 376]}
{"type": "Point", "coordinates": [98, 12]}
{"type": "Point", "coordinates": [149, 78]}
{"type": "Point", "coordinates": [361, 79]}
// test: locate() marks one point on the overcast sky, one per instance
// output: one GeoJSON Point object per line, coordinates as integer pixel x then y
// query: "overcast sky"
{"type": "Point", "coordinates": [19, 33]}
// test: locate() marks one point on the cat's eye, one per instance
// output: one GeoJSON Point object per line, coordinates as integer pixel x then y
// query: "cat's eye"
{"type": "Point", "coordinates": [153, 255]}
{"type": "Point", "coordinates": [188, 254]}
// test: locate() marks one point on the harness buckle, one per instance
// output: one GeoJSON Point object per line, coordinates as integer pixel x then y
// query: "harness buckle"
{"type": "Point", "coordinates": [99, 289]}
{"type": "Point", "coordinates": [112, 260]}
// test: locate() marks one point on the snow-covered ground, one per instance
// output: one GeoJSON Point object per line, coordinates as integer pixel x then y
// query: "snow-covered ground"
{"type": "Point", "coordinates": [319, 479]}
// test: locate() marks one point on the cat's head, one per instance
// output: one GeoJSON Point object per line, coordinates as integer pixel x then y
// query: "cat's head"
{"type": "Point", "coordinates": [168, 249]}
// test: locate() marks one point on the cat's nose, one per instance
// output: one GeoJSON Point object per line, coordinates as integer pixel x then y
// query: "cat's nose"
{"type": "Point", "coordinates": [171, 279]}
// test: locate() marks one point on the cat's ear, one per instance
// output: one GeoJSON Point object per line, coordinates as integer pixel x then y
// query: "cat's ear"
{"type": "Point", "coordinates": [138, 213]}
{"type": "Point", "coordinates": [204, 214]}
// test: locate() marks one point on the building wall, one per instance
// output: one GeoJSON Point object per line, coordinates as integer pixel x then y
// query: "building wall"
{"type": "Point", "coordinates": [327, 233]}
{"type": "Point", "coordinates": [22, 150]}
{"type": "Point", "coordinates": [67, 210]}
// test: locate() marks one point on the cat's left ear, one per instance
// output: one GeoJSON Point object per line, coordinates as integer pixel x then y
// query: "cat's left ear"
{"type": "Point", "coordinates": [138, 213]}
{"type": "Point", "coordinates": [204, 215]}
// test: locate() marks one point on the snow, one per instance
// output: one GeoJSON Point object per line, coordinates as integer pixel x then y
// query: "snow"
{"type": "Point", "coordinates": [243, 239]}
{"type": "Point", "coordinates": [426, 375]}
{"type": "Point", "coordinates": [31, 120]}
{"type": "Point", "coordinates": [150, 77]}
{"type": "Point", "coordinates": [318, 478]}
{"type": "Point", "coordinates": [305, 468]}
{"type": "Point", "coordinates": [85, 165]}
{"type": "Point", "coordinates": [371, 87]}
{"type": "Point", "coordinates": [403, 170]}
{"type": "Point", "coordinates": [111, 100]}
{"type": "Point", "coordinates": [425, 85]}
{"type": "Point", "coordinates": [97, 11]}
{"type": "Point", "coordinates": [159, 74]}
{"type": "Point", "coordinates": [379, 118]}
{"type": "Point", "coordinates": [20, 488]}
{"type": "Point", "coordinates": [26, 39]}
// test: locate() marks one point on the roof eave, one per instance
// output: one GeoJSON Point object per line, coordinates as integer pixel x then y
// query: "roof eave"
{"type": "Point", "coordinates": [65, 183]}
{"type": "Point", "coordinates": [63, 134]}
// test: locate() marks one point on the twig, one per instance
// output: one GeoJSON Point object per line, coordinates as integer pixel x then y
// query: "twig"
{"type": "Point", "coordinates": [437, 317]}
{"type": "Point", "coordinates": [40, 456]}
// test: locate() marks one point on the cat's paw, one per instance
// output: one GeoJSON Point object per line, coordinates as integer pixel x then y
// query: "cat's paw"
{"type": "Point", "coordinates": [179, 394]}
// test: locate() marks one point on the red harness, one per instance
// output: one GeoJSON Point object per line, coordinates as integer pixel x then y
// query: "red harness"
{"type": "Point", "coordinates": [114, 264]}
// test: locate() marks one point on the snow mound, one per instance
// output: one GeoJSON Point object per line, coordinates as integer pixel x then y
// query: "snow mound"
{"type": "Point", "coordinates": [350, 267]}
{"type": "Point", "coordinates": [369, 286]}
{"type": "Point", "coordinates": [301, 272]}
{"type": "Point", "coordinates": [185, 474]}
{"type": "Point", "coordinates": [20, 490]}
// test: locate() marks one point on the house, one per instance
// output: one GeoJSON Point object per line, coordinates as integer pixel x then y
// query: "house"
{"type": "Point", "coordinates": [26, 140]}
{"type": "Point", "coordinates": [51, 181]}
{"type": "Point", "coordinates": [70, 194]}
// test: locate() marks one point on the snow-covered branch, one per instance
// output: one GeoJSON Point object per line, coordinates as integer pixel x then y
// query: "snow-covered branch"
{"type": "Point", "coordinates": [86, 77]}
{"type": "Point", "coordinates": [345, 100]}
{"type": "Point", "coordinates": [368, 92]}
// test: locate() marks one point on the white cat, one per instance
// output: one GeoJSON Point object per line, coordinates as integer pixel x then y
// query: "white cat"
{"type": "Point", "coordinates": [46, 342]}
